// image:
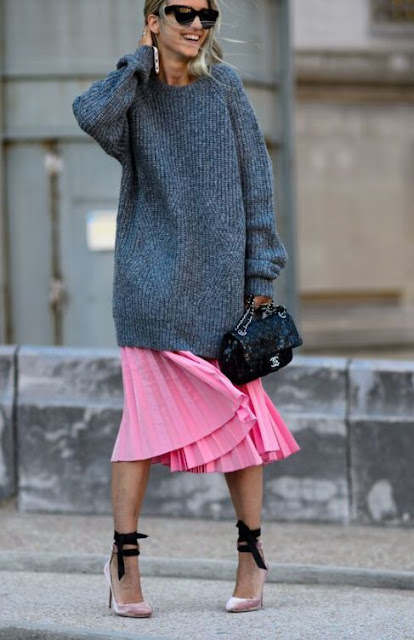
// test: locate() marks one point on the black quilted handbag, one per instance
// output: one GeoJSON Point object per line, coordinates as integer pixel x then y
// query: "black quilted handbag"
{"type": "Point", "coordinates": [258, 347]}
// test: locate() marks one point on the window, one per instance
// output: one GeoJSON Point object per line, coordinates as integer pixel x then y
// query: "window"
{"type": "Point", "coordinates": [392, 16]}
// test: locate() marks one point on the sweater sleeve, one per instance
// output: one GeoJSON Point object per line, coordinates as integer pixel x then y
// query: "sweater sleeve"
{"type": "Point", "coordinates": [266, 255]}
{"type": "Point", "coordinates": [101, 111]}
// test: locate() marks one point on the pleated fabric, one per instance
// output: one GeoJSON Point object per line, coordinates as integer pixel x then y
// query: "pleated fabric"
{"type": "Point", "coordinates": [181, 411]}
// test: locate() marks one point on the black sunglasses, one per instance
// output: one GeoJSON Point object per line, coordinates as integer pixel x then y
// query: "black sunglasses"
{"type": "Point", "coordinates": [186, 15]}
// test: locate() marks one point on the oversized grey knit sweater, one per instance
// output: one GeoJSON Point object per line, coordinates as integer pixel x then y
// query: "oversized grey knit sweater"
{"type": "Point", "coordinates": [196, 224]}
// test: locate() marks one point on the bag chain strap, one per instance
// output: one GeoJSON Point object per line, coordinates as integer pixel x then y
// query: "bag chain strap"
{"type": "Point", "coordinates": [250, 313]}
{"type": "Point", "coordinates": [266, 308]}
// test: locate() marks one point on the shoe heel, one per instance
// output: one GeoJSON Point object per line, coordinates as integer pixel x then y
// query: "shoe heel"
{"type": "Point", "coordinates": [250, 536]}
{"type": "Point", "coordinates": [133, 610]}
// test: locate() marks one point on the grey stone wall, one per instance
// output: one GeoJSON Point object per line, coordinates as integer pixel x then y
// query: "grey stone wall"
{"type": "Point", "coordinates": [7, 448]}
{"type": "Point", "coordinates": [311, 395]}
{"type": "Point", "coordinates": [352, 419]}
{"type": "Point", "coordinates": [382, 441]}
{"type": "Point", "coordinates": [69, 406]}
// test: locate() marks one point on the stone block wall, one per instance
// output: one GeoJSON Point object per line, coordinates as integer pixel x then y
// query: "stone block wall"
{"type": "Point", "coordinates": [7, 402]}
{"type": "Point", "coordinates": [381, 440]}
{"type": "Point", "coordinates": [311, 395]}
{"type": "Point", "coordinates": [69, 406]}
{"type": "Point", "coordinates": [353, 420]}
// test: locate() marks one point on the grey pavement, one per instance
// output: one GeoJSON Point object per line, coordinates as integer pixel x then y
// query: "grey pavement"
{"type": "Point", "coordinates": [375, 547]}
{"type": "Point", "coordinates": [187, 609]}
{"type": "Point", "coordinates": [325, 581]}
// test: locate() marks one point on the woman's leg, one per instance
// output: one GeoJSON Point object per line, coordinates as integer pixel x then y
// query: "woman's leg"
{"type": "Point", "coordinates": [129, 483]}
{"type": "Point", "coordinates": [246, 492]}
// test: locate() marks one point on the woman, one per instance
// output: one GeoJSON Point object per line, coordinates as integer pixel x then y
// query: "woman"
{"type": "Point", "coordinates": [195, 236]}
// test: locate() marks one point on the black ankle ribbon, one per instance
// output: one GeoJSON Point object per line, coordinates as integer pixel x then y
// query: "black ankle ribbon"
{"type": "Point", "coordinates": [250, 536]}
{"type": "Point", "coordinates": [126, 538]}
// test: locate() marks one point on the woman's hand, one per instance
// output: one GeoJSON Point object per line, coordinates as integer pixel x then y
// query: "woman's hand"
{"type": "Point", "coordinates": [258, 300]}
{"type": "Point", "coordinates": [146, 37]}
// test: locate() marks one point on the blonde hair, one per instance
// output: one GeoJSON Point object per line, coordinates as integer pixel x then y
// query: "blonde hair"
{"type": "Point", "coordinates": [209, 53]}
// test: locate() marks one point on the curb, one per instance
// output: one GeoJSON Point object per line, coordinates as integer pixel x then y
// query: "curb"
{"type": "Point", "coordinates": [52, 632]}
{"type": "Point", "coordinates": [204, 569]}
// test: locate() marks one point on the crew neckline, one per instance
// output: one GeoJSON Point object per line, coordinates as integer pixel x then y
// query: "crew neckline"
{"type": "Point", "coordinates": [176, 88]}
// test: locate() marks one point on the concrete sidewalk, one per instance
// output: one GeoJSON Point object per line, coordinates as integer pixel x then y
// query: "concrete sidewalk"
{"type": "Point", "coordinates": [188, 610]}
{"type": "Point", "coordinates": [293, 543]}
{"type": "Point", "coordinates": [323, 580]}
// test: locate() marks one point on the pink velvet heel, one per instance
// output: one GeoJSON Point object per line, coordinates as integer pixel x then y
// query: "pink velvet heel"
{"type": "Point", "coordinates": [238, 605]}
{"type": "Point", "coordinates": [135, 609]}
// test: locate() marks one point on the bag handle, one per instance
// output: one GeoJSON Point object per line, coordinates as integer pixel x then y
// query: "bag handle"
{"type": "Point", "coordinates": [249, 315]}
{"type": "Point", "coordinates": [267, 308]}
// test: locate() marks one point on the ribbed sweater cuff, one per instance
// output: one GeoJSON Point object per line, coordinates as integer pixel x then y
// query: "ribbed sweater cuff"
{"type": "Point", "coordinates": [259, 287]}
{"type": "Point", "coordinates": [142, 60]}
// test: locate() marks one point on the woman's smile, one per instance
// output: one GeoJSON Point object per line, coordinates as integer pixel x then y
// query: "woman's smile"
{"type": "Point", "coordinates": [193, 39]}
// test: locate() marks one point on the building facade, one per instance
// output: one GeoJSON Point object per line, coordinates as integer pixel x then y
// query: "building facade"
{"type": "Point", "coordinates": [355, 172]}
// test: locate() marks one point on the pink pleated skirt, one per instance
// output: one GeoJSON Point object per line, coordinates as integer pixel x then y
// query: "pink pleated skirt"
{"type": "Point", "coordinates": [180, 410]}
